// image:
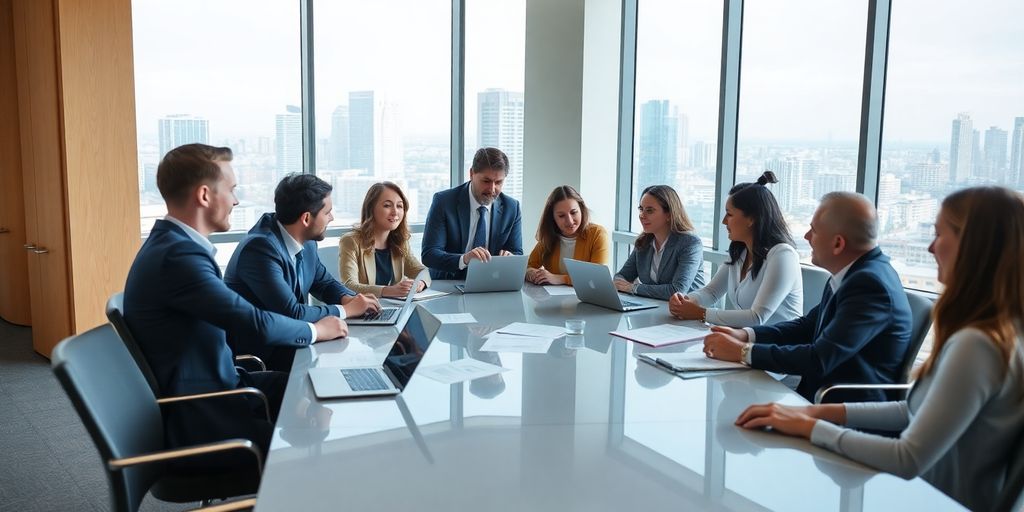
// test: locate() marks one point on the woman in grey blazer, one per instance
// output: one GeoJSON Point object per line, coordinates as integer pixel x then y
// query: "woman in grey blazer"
{"type": "Point", "coordinates": [668, 255]}
{"type": "Point", "coordinates": [964, 412]}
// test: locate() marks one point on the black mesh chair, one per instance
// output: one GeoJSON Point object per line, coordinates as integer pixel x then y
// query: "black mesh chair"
{"type": "Point", "coordinates": [124, 419]}
{"type": "Point", "coordinates": [921, 321]}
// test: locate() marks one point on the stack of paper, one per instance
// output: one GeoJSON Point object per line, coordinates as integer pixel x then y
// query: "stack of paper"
{"type": "Point", "coordinates": [661, 335]}
{"type": "Point", "coordinates": [690, 361]}
{"type": "Point", "coordinates": [523, 338]}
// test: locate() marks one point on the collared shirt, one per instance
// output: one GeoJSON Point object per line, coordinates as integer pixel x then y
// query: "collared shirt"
{"type": "Point", "coordinates": [294, 248]}
{"type": "Point", "coordinates": [474, 216]}
{"type": "Point", "coordinates": [196, 236]}
{"type": "Point", "coordinates": [656, 258]}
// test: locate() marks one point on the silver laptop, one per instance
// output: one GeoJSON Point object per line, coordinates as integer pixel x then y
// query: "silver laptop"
{"type": "Point", "coordinates": [388, 379]}
{"type": "Point", "coordinates": [389, 315]}
{"type": "Point", "coordinates": [501, 274]}
{"type": "Point", "coordinates": [593, 285]}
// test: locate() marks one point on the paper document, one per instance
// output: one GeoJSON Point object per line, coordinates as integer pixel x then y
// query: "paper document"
{"type": "Point", "coordinates": [690, 361]}
{"type": "Point", "coordinates": [559, 290]}
{"type": "Point", "coordinates": [429, 294]}
{"type": "Point", "coordinates": [525, 329]}
{"type": "Point", "coordinates": [664, 334]}
{"type": "Point", "coordinates": [458, 371]}
{"type": "Point", "coordinates": [498, 342]}
{"type": "Point", "coordinates": [455, 318]}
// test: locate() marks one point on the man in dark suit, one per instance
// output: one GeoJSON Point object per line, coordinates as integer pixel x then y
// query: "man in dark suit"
{"type": "Point", "coordinates": [276, 267]}
{"type": "Point", "coordinates": [178, 308]}
{"type": "Point", "coordinates": [857, 334]}
{"type": "Point", "coordinates": [473, 220]}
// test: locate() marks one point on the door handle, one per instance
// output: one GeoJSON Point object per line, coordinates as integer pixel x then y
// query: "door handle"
{"type": "Point", "coordinates": [29, 246]}
{"type": "Point", "coordinates": [4, 230]}
{"type": "Point", "coordinates": [41, 250]}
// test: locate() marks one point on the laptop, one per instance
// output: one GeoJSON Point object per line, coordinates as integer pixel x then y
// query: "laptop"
{"type": "Point", "coordinates": [501, 274]}
{"type": "Point", "coordinates": [389, 315]}
{"type": "Point", "coordinates": [390, 378]}
{"type": "Point", "coordinates": [593, 285]}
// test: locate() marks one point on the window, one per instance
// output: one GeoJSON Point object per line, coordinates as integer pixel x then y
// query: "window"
{"type": "Point", "coordinates": [221, 73]}
{"type": "Point", "coordinates": [678, 61]}
{"type": "Point", "coordinates": [495, 68]}
{"type": "Point", "coordinates": [383, 100]}
{"type": "Point", "coordinates": [954, 118]}
{"type": "Point", "coordinates": [800, 101]}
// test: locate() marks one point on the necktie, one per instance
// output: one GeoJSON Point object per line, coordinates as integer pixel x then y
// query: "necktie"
{"type": "Point", "coordinates": [480, 238]}
{"type": "Point", "coordinates": [825, 296]}
{"type": "Point", "coordinates": [298, 278]}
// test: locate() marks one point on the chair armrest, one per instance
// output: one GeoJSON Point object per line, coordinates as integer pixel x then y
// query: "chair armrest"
{"type": "Point", "coordinates": [820, 395]}
{"type": "Point", "coordinates": [249, 358]}
{"type": "Point", "coordinates": [191, 451]}
{"type": "Point", "coordinates": [231, 506]}
{"type": "Point", "coordinates": [217, 394]}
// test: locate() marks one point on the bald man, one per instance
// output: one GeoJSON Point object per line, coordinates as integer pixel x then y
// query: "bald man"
{"type": "Point", "coordinates": [857, 334]}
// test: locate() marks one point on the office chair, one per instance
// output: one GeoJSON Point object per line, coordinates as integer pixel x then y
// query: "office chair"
{"type": "Point", "coordinates": [921, 321]}
{"type": "Point", "coordinates": [124, 419]}
{"type": "Point", "coordinates": [814, 280]}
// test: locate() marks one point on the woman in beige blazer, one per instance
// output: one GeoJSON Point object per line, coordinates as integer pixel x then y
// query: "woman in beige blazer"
{"type": "Point", "coordinates": [376, 257]}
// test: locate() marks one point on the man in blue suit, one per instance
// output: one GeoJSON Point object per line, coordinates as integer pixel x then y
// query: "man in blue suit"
{"type": "Point", "coordinates": [276, 267]}
{"type": "Point", "coordinates": [179, 310]}
{"type": "Point", "coordinates": [857, 334]}
{"type": "Point", "coordinates": [473, 220]}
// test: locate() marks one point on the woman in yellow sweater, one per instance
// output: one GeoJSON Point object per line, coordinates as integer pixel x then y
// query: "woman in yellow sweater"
{"type": "Point", "coordinates": [565, 231]}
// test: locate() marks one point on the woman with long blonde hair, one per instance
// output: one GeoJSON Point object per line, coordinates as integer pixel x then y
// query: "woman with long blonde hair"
{"type": "Point", "coordinates": [965, 411]}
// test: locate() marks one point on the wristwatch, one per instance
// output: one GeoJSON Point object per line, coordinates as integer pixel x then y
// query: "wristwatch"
{"type": "Point", "coordinates": [745, 353]}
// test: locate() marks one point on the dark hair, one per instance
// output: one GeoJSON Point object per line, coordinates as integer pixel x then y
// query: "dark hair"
{"type": "Point", "coordinates": [186, 167]}
{"type": "Point", "coordinates": [297, 194]}
{"type": "Point", "coordinates": [769, 229]}
{"type": "Point", "coordinates": [547, 230]}
{"type": "Point", "coordinates": [492, 159]}
{"type": "Point", "coordinates": [398, 236]}
{"type": "Point", "coordinates": [678, 221]}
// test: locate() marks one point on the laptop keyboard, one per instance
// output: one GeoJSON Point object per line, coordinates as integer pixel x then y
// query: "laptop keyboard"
{"type": "Point", "coordinates": [383, 314]}
{"type": "Point", "coordinates": [364, 379]}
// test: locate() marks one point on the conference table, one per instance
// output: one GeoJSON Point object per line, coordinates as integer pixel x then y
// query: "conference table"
{"type": "Point", "coordinates": [584, 426]}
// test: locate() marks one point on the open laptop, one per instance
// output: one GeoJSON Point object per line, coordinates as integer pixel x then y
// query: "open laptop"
{"type": "Point", "coordinates": [593, 285]}
{"type": "Point", "coordinates": [388, 379]}
{"type": "Point", "coordinates": [501, 274]}
{"type": "Point", "coordinates": [389, 315]}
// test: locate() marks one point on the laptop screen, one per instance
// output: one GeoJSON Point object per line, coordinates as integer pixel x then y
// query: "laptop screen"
{"type": "Point", "coordinates": [408, 350]}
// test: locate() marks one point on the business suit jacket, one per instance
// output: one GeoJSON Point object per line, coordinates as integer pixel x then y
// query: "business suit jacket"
{"type": "Point", "coordinates": [858, 335]}
{"type": "Point", "coordinates": [179, 310]}
{"type": "Point", "coordinates": [358, 265]}
{"type": "Point", "coordinates": [592, 246]}
{"type": "Point", "coordinates": [446, 232]}
{"type": "Point", "coordinates": [262, 272]}
{"type": "Point", "coordinates": [680, 269]}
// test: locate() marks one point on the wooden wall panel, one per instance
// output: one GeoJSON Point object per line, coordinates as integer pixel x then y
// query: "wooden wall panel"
{"type": "Point", "coordinates": [14, 296]}
{"type": "Point", "coordinates": [98, 102]}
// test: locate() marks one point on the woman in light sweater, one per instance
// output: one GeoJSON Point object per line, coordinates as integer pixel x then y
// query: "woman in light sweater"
{"type": "Point", "coordinates": [762, 278]}
{"type": "Point", "coordinates": [966, 410]}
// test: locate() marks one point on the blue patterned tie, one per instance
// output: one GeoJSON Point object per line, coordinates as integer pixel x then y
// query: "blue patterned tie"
{"type": "Point", "coordinates": [480, 238]}
{"type": "Point", "coordinates": [298, 278]}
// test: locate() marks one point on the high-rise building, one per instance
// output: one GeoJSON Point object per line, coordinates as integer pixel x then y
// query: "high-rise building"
{"type": "Point", "coordinates": [337, 147]}
{"type": "Point", "coordinates": [1015, 174]}
{"type": "Point", "coordinates": [702, 156]}
{"type": "Point", "coordinates": [977, 158]}
{"type": "Point", "coordinates": [656, 150]}
{"type": "Point", "coordinates": [177, 129]}
{"type": "Point", "coordinates": [374, 135]}
{"type": "Point", "coordinates": [926, 176]}
{"type": "Point", "coordinates": [830, 182]}
{"type": "Point", "coordinates": [787, 190]}
{"type": "Point", "coordinates": [500, 125]}
{"type": "Point", "coordinates": [889, 188]}
{"type": "Point", "coordinates": [995, 154]}
{"type": "Point", "coordinates": [961, 147]}
{"type": "Point", "coordinates": [288, 142]}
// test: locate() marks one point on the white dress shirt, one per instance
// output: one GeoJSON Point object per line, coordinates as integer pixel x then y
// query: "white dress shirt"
{"type": "Point", "coordinates": [294, 248]}
{"type": "Point", "coordinates": [474, 216]}
{"type": "Point", "coordinates": [656, 257]}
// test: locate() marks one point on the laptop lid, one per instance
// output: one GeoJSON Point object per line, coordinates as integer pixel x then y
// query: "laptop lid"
{"type": "Point", "coordinates": [500, 274]}
{"type": "Point", "coordinates": [593, 284]}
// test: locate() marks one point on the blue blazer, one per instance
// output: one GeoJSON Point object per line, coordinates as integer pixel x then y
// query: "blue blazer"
{"type": "Point", "coordinates": [859, 335]}
{"type": "Point", "coordinates": [680, 269]}
{"type": "Point", "coordinates": [446, 232]}
{"type": "Point", "coordinates": [179, 311]}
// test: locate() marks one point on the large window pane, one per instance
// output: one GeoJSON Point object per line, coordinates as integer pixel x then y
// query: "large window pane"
{"type": "Point", "coordinates": [495, 71]}
{"type": "Point", "coordinates": [954, 117]}
{"type": "Point", "coordinates": [800, 100]}
{"type": "Point", "coordinates": [221, 73]}
{"type": "Point", "coordinates": [383, 97]}
{"type": "Point", "coordinates": [678, 63]}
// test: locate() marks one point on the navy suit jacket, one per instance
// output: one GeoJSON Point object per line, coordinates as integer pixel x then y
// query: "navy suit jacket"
{"type": "Point", "coordinates": [446, 232]}
{"type": "Point", "coordinates": [858, 335]}
{"type": "Point", "coordinates": [179, 310]}
{"type": "Point", "coordinates": [261, 271]}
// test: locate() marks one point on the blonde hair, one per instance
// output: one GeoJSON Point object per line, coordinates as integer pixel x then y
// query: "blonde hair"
{"type": "Point", "coordinates": [398, 237]}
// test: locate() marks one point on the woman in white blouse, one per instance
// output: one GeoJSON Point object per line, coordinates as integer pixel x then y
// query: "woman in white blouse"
{"type": "Point", "coordinates": [762, 278]}
{"type": "Point", "coordinates": [959, 425]}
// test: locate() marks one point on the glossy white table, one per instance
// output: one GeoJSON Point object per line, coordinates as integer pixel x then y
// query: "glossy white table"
{"type": "Point", "coordinates": [584, 427]}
